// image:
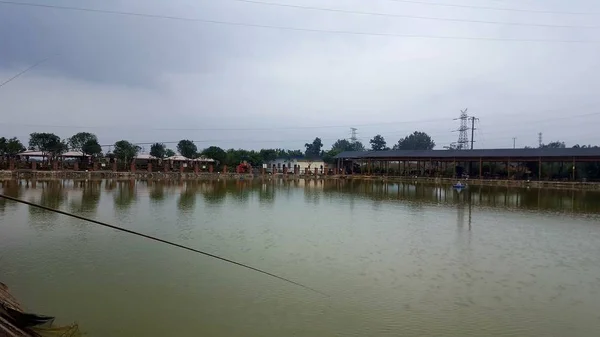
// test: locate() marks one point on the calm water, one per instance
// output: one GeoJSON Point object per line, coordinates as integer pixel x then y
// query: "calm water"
{"type": "Point", "coordinates": [396, 260]}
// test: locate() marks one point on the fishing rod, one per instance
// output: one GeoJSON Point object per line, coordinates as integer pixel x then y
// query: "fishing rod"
{"type": "Point", "coordinates": [25, 70]}
{"type": "Point", "coordinates": [159, 240]}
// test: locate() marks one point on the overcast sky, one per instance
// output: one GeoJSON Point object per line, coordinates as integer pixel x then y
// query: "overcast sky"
{"type": "Point", "coordinates": [151, 79]}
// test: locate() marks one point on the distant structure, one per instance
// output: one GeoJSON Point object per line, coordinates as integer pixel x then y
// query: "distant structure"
{"type": "Point", "coordinates": [463, 134]}
{"type": "Point", "coordinates": [353, 137]}
{"type": "Point", "coordinates": [463, 138]}
{"type": "Point", "coordinates": [540, 139]}
{"type": "Point", "coordinates": [473, 119]}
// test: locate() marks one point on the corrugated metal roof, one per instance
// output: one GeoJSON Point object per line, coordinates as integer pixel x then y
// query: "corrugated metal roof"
{"type": "Point", "coordinates": [182, 158]}
{"type": "Point", "coordinates": [485, 153]}
{"type": "Point", "coordinates": [33, 153]}
{"type": "Point", "coordinates": [145, 156]}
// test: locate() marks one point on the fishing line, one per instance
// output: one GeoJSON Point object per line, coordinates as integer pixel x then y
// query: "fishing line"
{"type": "Point", "coordinates": [24, 71]}
{"type": "Point", "coordinates": [159, 240]}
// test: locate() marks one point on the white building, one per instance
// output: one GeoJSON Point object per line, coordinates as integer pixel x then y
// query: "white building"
{"type": "Point", "coordinates": [302, 164]}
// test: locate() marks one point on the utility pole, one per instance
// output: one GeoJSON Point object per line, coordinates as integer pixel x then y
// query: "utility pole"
{"type": "Point", "coordinates": [514, 142]}
{"type": "Point", "coordinates": [472, 118]}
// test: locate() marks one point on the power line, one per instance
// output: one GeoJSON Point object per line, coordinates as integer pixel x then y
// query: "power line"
{"type": "Point", "coordinates": [301, 141]}
{"type": "Point", "coordinates": [438, 4]}
{"type": "Point", "coordinates": [289, 127]}
{"type": "Point", "coordinates": [288, 28]}
{"type": "Point", "coordinates": [405, 16]}
{"type": "Point", "coordinates": [225, 129]}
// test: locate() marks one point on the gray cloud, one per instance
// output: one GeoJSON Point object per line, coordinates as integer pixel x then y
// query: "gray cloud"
{"type": "Point", "coordinates": [124, 77]}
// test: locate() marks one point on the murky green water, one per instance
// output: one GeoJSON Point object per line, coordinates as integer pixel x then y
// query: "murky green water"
{"type": "Point", "coordinates": [396, 260]}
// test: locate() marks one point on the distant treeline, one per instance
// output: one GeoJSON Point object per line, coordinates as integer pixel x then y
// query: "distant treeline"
{"type": "Point", "coordinates": [87, 143]}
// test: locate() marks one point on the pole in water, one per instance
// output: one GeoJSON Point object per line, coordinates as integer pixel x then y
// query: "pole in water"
{"type": "Point", "coordinates": [159, 240]}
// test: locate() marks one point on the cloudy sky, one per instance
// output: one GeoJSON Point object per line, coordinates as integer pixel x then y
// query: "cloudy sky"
{"type": "Point", "coordinates": [232, 77]}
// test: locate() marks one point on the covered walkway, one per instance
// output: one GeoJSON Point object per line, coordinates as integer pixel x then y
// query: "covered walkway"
{"type": "Point", "coordinates": [539, 164]}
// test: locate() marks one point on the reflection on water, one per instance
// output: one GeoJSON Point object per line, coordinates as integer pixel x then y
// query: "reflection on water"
{"type": "Point", "coordinates": [126, 194]}
{"type": "Point", "coordinates": [488, 196]}
{"type": "Point", "coordinates": [396, 259]}
{"type": "Point", "coordinates": [90, 197]}
{"type": "Point", "coordinates": [51, 194]}
{"type": "Point", "coordinates": [157, 191]}
{"type": "Point", "coordinates": [187, 197]}
{"type": "Point", "coordinates": [54, 193]}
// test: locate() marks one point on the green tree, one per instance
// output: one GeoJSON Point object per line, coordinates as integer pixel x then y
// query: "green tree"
{"type": "Point", "coordinates": [125, 150]}
{"type": "Point", "coordinates": [255, 158]}
{"type": "Point", "coordinates": [158, 150]}
{"type": "Point", "coordinates": [269, 155]}
{"type": "Point", "coordinates": [92, 148]}
{"type": "Point", "coordinates": [169, 153]}
{"type": "Point", "coordinates": [342, 145]}
{"type": "Point", "coordinates": [78, 140]}
{"type": "Point", "coordinates": [187, 148]}
{"type": "Point", "coordinates": [234, 157]}
{"type": "Point", "coordinates": [313, 150]}
{"type": "Point", "coordinates": [11, 146]}
{"type": "Point", "coordinates": [216, 153]}
{"type": "Point", "coordinates": [378, 143]}
{"type": "Point", "coordinates": [292, 154]}
{"type": "Point", "coordinates": [416, 141]}
{"type": "Point", "coordinates": [554, 145]}
{"type": "Point", "coordinates": [329, 156]}
{"type": "Point", "coordinates": [47, 143]}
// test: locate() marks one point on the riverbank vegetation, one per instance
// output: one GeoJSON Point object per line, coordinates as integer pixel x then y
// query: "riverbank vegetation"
{"type": "Point", "coordinates": [52, 145]}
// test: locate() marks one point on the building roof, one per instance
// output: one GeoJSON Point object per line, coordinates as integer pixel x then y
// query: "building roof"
{"type": "Point", "coordinates": [182, 158]}
{"type": "Point", "coordinates": [145, 156]}
{"type": "Point", "coordinates": [204, 159]}
{"type": "Point", "coordinates": [178, 158]}
{"type": "Point", "coordinates": [33, 153]}
{"type": "Point", "coordinates": [483, 153]}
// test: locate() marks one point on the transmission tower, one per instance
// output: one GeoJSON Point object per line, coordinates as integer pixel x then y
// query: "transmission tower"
{"type": "Point", "coordinates": [540, 139]}
{"type": "Point", "coordinates": [353, 137]}
{"type": "Point", "coordinates": [463, 136]}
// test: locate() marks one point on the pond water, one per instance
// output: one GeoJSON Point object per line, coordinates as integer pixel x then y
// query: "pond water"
{"type": "Point", "coordinates": [393, 259]}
